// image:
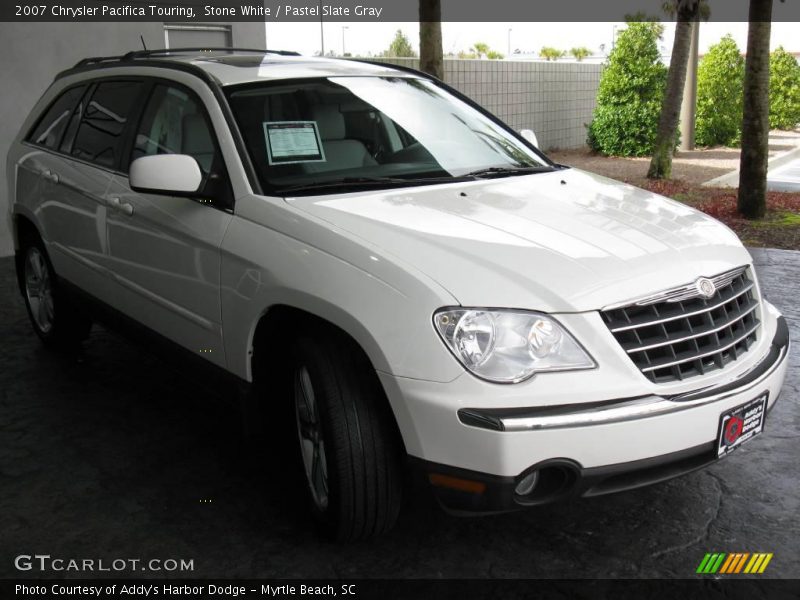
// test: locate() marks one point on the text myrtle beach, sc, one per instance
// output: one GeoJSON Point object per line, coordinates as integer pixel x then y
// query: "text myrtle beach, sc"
{"type": "Point", "coordinates": [276, 11]}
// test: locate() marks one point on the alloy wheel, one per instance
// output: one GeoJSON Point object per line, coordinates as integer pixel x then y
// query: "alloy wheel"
{"type": "Point", "coordinates": [312, 445]}
{"type": "Point", "coordinates": [39, 290]}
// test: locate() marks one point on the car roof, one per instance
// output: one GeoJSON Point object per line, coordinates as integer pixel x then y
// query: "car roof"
{"type": "Point", "coordinates": [234, 66]}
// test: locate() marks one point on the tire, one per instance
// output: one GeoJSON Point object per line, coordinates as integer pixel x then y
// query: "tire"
{"type": "Point", "coordinates": [343, 421]}
{"type": "Point", "coordinates": [55, 320]}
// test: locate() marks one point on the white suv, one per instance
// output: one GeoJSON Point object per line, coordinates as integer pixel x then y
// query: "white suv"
{"type": "Point", "coordinates": [414, 280]}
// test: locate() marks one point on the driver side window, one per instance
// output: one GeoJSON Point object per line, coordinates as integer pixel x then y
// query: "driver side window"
{"type": "Point", "coordinates": [175, 122]}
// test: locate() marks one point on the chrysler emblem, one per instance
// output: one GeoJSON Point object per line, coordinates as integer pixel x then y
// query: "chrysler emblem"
{"type": "Point", "coordinates": [705, 287]}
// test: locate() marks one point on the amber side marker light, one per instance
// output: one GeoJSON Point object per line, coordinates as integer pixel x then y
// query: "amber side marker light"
{"type": "Point", "coordinates": [456, 483]}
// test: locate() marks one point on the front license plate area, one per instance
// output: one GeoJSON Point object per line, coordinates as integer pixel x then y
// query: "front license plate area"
{"type": "Point", "coordinates": [741, 424]}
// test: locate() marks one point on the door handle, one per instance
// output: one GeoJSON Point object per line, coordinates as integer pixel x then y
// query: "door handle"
{"type": "Point", "coordinates": [123, 207]}
{"type": "Point", "coordinates": [50, 176]}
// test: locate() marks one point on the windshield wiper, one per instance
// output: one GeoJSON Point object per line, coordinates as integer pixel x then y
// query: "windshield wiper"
{"type": "Point", "coordinates": [357, 182]}
{"type": "Point", "coordinates": [500, 171]}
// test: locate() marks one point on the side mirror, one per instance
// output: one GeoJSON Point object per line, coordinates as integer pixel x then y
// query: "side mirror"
{"type": "Point", "coordinates": [529, 137]}
{"type": "Point", "coordinates": [171, 174]}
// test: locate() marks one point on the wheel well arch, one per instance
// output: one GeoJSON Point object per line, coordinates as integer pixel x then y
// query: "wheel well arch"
{"type": "Point", "coordinates": [23, 228]}
{"type": "Point", "coordinates": [281, 322]}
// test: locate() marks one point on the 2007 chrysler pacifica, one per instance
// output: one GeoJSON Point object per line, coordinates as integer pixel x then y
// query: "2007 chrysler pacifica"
{"type": "Point", "coordinates": [426, 285]}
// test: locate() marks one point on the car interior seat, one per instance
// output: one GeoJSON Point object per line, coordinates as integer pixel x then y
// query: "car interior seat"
{"type": "Point", "coordinates": [340, 153]}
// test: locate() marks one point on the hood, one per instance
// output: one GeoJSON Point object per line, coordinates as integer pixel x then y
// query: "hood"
{"type": "Point", "coordinates": [566, 241]}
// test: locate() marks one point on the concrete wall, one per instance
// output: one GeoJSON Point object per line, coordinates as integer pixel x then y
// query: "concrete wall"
{"type": "Point", "coordinates": [34, 52]}
{"type": "Point", "coordinates": [554, 99]}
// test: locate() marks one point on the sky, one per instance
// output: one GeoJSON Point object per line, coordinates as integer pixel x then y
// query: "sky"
{"type": "Point", "coordinates": [364, 38]}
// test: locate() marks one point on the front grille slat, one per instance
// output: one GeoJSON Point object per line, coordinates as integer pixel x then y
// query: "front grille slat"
{"type": "Point", "coordinates": [682, 335]}
{"type": "Point", "coordinates": [641, 322]}
{"type": "Point", "coordinates": [678, 360]}
{"type": "Point", "coordinates": [694, 334]}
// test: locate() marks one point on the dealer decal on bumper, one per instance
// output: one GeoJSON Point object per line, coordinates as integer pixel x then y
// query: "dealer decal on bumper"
{"type": "Point", "coordinates": [741, 424]}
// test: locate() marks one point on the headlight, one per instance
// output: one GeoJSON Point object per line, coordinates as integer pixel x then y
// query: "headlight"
{"type": "Point", "coordinates": [508, 346]}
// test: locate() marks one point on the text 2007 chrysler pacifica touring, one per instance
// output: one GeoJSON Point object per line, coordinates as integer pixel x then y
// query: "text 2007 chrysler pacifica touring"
{"type": "Point", "coordinates": [425, 285]}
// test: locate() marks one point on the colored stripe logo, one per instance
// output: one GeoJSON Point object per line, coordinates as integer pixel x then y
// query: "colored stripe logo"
{"type": "Point", "coordinates": [734, 563]}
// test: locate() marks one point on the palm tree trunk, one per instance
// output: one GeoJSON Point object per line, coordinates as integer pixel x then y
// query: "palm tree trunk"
{"type": "Point", "coordinates": [664, 147]}
{"type": "Point", "coordinates": [431, 59]}
{"type": "Point", "coordinates": [752, 202]}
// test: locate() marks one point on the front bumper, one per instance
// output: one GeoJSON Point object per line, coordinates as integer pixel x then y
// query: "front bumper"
{"type": "Point", "coordinates": [476, 457]}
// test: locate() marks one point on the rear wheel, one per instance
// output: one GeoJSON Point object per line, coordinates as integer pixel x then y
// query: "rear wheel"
{"type": "Point", "coordinates": [54, 318]}
{"type": "Point", "coordinates": [349, 445]}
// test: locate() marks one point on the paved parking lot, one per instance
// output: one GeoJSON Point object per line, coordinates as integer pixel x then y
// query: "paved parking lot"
{"type": "Point", "coordinates": [117, 455]}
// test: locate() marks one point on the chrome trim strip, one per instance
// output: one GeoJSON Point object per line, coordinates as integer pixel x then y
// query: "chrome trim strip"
{"type": "Point", "coordinates": [641, 408]}
{"type": "Point", "coordinates": [681, 292]}
{"type": "Point", "coordinates": [704, 354]}
{"type": "Point", "coordinates": [704, 310]}
{"type": "Point", "coordinates": [695, 335]}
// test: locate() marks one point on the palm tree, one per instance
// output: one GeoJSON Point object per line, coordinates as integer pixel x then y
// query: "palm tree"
{"type": "Point", "coordinates": [431, 59]}
{"type": "Point", "coordinates": [687, 13]}
{"type": "Point", "coordinates": [480, 49]}
{"type": "Point", "coordinates": [580, 53]}
{"type": "Point", "coordinates": [752, 201]}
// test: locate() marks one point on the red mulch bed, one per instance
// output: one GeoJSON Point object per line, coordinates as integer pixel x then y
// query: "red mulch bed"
{"type": "Point", "coordinates": [780, 228]}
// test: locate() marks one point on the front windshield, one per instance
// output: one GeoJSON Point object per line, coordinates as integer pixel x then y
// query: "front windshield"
{"type": "Point", "coordinates": [394, 129]}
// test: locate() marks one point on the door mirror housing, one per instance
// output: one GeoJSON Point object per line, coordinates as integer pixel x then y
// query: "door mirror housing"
{"type": "Point", "coordinates": [169, 174]}
{"type": "Point", "coordinates": [530, 137]}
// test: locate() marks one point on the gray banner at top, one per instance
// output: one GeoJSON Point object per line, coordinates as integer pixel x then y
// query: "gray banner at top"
{"type": "Point", "coordinates": [366, 10]}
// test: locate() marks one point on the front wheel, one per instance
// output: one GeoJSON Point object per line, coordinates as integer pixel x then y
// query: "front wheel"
{"type": "Point", "coordinates": [349, 446]}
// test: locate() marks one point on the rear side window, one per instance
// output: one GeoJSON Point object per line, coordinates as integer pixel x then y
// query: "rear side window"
{"type": "Point", "coordinates": [52, 125]}
{"type": "Point", "coordinates": [100, 133]}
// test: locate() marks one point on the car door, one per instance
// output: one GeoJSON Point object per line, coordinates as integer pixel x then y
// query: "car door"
{"type": "Point", "coordinates": [70, 189]}
{"type": "Point", "coordinates": [163, 250]}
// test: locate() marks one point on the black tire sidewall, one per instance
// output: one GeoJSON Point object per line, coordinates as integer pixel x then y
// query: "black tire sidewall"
{"type": "Point", "coordinates": [362, 446]}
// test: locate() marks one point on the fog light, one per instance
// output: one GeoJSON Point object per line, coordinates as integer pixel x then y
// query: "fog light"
{"type": "Point", "coordinates": [526, 485]}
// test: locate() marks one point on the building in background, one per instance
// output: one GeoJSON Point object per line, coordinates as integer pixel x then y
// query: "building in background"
{"type": "Point", "coordinates": [34, 52]}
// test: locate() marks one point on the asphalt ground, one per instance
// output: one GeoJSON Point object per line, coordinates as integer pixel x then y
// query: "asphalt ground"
{"type": "Point", "coordinates": [116, 454]}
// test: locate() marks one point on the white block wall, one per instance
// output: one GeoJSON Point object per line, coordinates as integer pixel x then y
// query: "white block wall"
{"type": "Point", "coordinates": [554, 99]}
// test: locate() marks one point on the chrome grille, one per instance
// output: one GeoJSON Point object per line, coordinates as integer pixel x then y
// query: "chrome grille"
{"type": "Point", "coordinates": [679, 333]}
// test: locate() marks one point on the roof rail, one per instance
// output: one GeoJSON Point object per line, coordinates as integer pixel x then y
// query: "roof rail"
{"type": "Point", "coordinates": [94, 60]}
{"type": "Point", "coordinates": [138, 54]}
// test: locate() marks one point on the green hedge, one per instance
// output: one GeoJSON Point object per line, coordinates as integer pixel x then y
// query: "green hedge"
{"type": "Point", "coordinates": [630, 94]}
{"type": "Point", "coordinates": [784, 90]}
{"type": "Point", "coordinates": [720, 84]}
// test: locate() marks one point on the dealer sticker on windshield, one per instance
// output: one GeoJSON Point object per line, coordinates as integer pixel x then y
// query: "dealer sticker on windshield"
{"type": "Point", "coordinates": [291, 142]}
{"type": "Point", "coordinates": [741, 424]}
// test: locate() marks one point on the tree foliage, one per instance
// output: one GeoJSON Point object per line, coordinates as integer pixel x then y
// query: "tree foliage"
{"type": "Point", "coordinates": [400, 46]}
{"type": "Point", "coordinates": [784, 90]}
{"type": "Point", "coordinates": [720, 78]}
{"type": "Point", "coordinates": [550, 53]}
{"type": "Point", "coordinates": [481, 50]}
{"type": "Point", "coordinates": [580, 53]}
{"type": "Point", "coordinates": [630, 94]}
